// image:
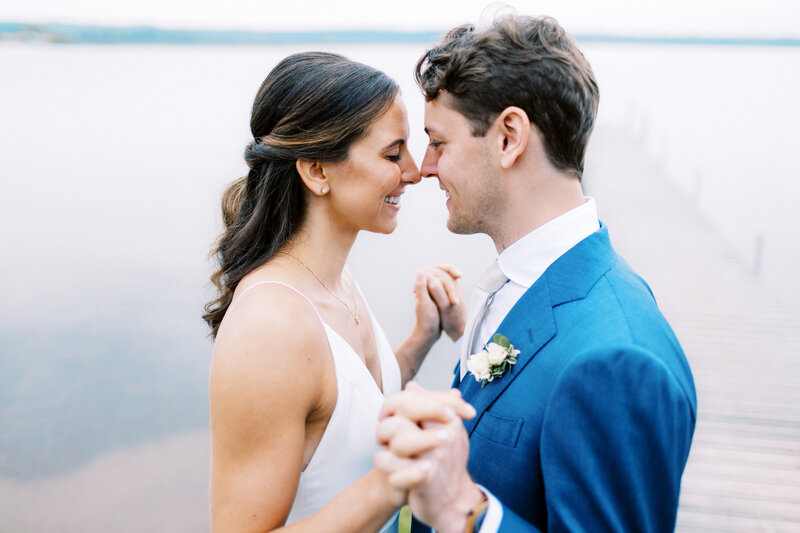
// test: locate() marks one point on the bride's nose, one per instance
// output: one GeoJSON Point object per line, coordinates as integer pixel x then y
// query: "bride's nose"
{"type": "Point", "coordinates": [410, 172]}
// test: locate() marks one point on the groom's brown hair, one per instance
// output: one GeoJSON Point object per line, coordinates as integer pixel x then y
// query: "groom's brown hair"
{"type": "Point", "coordinates": [521, 61]}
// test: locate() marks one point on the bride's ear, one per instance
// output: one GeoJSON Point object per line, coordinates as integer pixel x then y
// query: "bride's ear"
{"type": "Point", "coordinates": [313, 175]}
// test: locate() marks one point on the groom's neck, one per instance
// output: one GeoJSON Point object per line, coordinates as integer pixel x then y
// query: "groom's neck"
{"type": "Point", "coordinates": [532, 201]}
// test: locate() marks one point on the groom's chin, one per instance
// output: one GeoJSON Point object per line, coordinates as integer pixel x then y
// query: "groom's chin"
{"type": "Point", "coordinates": [460, 227]}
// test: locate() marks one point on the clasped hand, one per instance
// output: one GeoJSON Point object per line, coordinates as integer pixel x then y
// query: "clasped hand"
{"type": "Point", "coordinates": [426, 452]}
{"type": "Point", "coordinates": [439, 301]}
{"type": "Point", "coordinates": [426, 446]}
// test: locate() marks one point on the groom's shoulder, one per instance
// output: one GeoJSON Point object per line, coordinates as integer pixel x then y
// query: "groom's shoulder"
{"type": "Point", "coordinates": [616, 305]}
{"type": "Point", "coordinates": [615, 287]}
{"type": "Point", "coordinates": [628, 293]}
{"type": "Point", "coordinates": [620, 312]}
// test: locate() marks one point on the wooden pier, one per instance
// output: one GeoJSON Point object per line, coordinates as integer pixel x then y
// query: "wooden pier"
{"type": "Point", "coordinates": [741, 336]}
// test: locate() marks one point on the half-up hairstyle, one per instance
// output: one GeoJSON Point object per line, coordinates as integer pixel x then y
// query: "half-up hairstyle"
{"type": "Point", "coordinates": [312, 106]}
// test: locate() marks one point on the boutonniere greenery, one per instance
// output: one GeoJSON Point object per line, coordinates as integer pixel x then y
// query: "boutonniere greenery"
{"type": "Point", "coordinates": [493, 360]}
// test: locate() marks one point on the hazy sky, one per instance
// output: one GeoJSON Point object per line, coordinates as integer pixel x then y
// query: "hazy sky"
{"type": "Point", "coordinates": [753, 18]}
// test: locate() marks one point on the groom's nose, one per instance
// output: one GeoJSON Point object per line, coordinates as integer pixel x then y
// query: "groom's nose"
{"type": "Point", "coordinates": [428, 167]}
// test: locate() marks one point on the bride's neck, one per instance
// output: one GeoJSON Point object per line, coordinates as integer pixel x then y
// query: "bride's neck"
{"type": "Point", "coordinates": [323, 247]}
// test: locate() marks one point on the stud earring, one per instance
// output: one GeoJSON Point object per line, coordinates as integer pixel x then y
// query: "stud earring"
{"type": "Point", "coordinates": [324, 190]}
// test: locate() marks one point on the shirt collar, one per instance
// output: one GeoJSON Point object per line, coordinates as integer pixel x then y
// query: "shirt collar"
{"type": "Point", "coordinates": [526, 259]}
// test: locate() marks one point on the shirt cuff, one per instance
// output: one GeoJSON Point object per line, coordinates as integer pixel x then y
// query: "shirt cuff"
{"type": "Point", "coordinates": [494, 513]}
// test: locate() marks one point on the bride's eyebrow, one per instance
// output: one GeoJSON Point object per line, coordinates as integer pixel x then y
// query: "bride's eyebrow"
{"type": "Point", "coordinates": [398, 142]}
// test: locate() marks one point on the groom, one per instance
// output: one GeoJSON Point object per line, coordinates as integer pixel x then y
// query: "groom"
{"type": "Point", "coordinates": [585, 403]}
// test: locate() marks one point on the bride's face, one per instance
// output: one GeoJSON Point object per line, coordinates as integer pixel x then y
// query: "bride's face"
{"type": "Point", "coordinates": [365, 189]}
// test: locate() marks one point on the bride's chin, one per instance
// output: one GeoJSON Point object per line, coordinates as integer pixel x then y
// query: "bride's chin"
{"type": "Point", "coordinates": [386, 229]}
{"type": "Point", "coordinates": [381, 223]}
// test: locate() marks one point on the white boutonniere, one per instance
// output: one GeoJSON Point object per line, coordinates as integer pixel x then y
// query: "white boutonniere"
{"type": "Point", "coordinates": [493, 360]}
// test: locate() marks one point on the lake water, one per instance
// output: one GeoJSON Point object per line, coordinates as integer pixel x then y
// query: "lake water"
{"type": "Point", "coordinates": [112, 161]}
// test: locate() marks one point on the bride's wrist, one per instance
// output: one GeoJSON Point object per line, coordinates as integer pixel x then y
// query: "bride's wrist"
{"type": "Point", "coordinates": [388, 496]}
{"type": "Point", "coordinates": [411, 353]}
{"type": "Point", "coordinates": [423, 337]}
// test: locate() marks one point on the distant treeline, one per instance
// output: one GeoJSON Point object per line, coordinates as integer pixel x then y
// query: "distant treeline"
{"type": "Point", "coordinates": [66, 33]}
{"type": "Point", "coordinates": [77, 34]}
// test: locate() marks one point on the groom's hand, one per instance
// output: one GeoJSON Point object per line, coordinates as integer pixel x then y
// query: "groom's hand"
{"type": "Point", "coordinates": [427, 451]}
{"type": "Point", "coordinates": [419, 404]}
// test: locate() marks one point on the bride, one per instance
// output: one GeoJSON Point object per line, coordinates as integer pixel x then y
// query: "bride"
{"type": "Point", "coordinates": [300, 366]}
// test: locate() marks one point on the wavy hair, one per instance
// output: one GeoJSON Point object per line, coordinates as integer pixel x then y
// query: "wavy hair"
{"type": "Point", "coordinates": [312, 106]}
{"type": "Point", "coordinates": [521, 61]}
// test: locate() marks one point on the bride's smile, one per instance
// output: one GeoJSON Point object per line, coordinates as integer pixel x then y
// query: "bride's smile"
{"type": "Point", "coordinates": [365, 188]}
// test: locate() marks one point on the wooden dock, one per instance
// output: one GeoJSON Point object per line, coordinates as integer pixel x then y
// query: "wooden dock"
{"type": "Point", "coordinates": [741, 336]}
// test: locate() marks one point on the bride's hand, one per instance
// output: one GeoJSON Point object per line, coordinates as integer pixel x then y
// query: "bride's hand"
{"type": "Point", "coordinates": [428, 323]}
{"type": "Point", "coordinates": [387, 464]}
{"type": "Point", "coordinates": [445, 290]}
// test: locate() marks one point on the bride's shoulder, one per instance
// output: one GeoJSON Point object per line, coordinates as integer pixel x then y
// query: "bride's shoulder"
{"type": "Point", "coordinates": [271, 327]}
{"type": "Point", "coordinates": [270, 369]}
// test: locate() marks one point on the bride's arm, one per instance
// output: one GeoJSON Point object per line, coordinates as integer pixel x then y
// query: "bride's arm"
{"type": "Point", "coordinates": [268, 377]}
{"type": "Point", "coordinates": [439, 305]}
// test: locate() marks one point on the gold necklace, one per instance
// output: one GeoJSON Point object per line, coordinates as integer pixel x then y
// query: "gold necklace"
{"type": "Point", "coordinates": [355, 303]}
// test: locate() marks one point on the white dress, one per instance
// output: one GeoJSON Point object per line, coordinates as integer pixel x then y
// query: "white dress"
{"type": "Point", "coordinates": [345, 451]}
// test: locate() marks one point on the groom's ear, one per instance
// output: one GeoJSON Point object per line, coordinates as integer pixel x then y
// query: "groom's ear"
{"type": "Point", "coordinates": [513, 127]}
{"type": "Point", "coordinates": [313, 175]}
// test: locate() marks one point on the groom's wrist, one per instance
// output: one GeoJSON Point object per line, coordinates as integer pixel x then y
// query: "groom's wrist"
{"type": "Point", "coordinates": [455, 519]}
{"type": "Point", "coordinates": [475, 517]}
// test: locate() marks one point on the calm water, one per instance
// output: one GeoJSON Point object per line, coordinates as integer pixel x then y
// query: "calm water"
{"type": "Point", "coordinates": [112, 160]}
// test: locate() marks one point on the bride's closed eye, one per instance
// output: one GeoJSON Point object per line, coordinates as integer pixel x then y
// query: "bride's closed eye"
{"type": "Point", "coordinates": [397, 150]}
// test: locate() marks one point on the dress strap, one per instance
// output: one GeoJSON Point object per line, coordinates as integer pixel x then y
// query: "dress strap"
{"type": "Point", "coordinates": [283, 285]}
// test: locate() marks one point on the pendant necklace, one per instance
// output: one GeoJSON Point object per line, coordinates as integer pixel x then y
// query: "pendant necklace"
{"type": "Point", "coordinates": [355, 304]}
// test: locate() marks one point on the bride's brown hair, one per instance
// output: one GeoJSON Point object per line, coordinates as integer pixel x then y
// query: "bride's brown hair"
{"type": "Point", "coordinates": [311, 106]}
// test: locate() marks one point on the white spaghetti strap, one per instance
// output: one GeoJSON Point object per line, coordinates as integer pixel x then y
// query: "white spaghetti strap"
{"type": "Point", "coordinates": [277, 283]}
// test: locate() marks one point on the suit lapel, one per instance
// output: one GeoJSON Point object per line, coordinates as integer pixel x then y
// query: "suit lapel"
{"type": "Point", "coordinates": [456, 375]}
{"type": "Point", "coordinates": [531, 324]}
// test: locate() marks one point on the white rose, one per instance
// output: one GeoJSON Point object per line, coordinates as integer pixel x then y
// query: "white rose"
{"type": "Point", "coordinates": [478, 364]}
{"type": "Point", "coordinates": [497, 353]}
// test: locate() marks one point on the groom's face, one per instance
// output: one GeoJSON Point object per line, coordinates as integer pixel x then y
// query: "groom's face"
{"type": "Point", "coordinates": [462, 164]}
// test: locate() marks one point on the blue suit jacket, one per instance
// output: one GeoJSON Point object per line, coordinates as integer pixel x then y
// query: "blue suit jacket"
{"type": "Point", "coordinates": [590, 430]}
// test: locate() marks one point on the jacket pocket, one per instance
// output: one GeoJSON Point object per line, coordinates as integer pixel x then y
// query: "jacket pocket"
{"type": "Point", "coordinates": [500, 429]}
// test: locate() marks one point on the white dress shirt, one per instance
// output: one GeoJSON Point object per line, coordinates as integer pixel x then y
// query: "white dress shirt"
{"type": "Point", "coordinates": [523, 263]}
{"type": "Point", "coordinates": [526, 260]}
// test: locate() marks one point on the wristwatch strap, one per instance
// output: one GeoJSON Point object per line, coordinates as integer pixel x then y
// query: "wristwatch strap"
{"type": "Point", "coordinates": [475, 517]}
